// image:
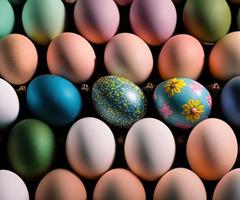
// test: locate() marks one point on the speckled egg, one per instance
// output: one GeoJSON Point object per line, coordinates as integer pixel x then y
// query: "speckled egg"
{"type": "Point", "coordinates": [118, 101]}
{"type": "Point", "coordinates": [182, 102]}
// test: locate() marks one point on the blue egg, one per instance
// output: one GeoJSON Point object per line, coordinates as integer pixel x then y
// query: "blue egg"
{"type": "Point", "coordinates": [54, 99]}
{"type": "Point", "coordinates": [118, 101]}
{"type": "Point", "coordinates": [182, 102]}
{"type": "Point", "coordinates": [229, 101]}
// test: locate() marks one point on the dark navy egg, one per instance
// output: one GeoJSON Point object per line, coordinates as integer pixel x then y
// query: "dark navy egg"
{"type": "Point", "coordinates": [118, 101]}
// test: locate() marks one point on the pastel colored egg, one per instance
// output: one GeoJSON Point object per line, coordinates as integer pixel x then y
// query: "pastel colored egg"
{"type": "Point", "coordinates": [175, 184]}
{"type": "Point", "coordinates": [17, 2]}
{"type": "Point", "coordinates": [229, 101]}
{"type": "Point", "coordinates": [43, 20]}
{"type": "Point", "coordinates": [60, 184]}
{"type": "Point", "coordinates": [7, 18]}
{"type": "Point", "coordinates": [71, 56]}
{"type": "Point", "coordinates": [90, 147]}
{"type": "Point", "coordinates": [181, 56]}
{"type": "Point", "coordinates": [224, 60]}
{"type": "Point", "coordinates": [123, 2]}
{"type": "Point", "coordinates": [153, 20]}
{"type": "Point", "coordinates": [54, 99]}
{"type": "Point", "coordinates": [207, 20]}
{"type": "Point", "coordinates": [30, 148]}
{"type": "Point", "coordinates": [182, 102]}
{"type": "Point", "coordinates": [118, 101]}
{"type": "Point", "coordinates": [14, 67]}
{"type": "Point", "coordinates": [145, 138]}
{"type": "Point", "coordinates": [9, 104]}
{"type": "Point", "coordinates": [228, 187]}
{"type": "Point", "coordinates": [128, 56]}
{"type": "Point", "coordinates": [212, 149]}
{"type": "Point", "coordinates": [95, 24]}
{"type": "Point", "coordinates": [119, 184]}
{"type": "Point", "coordinates": [12, 186]}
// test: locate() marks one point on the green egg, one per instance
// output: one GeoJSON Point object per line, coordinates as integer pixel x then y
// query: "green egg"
{"type": "Point", "coordinates": [43, 20]}
{"type": "Point", "coordinates": [31, 145]}
{"type": "Point", "coordinates": [207, 20]}
{"type": "Point", "coordinates": [7, 18]}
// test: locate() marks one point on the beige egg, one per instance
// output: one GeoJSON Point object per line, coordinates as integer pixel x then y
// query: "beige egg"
{"type": "Point", "coordinates": [180, 184]}
{"type": "Point", "coordinates": [212, 149]}
{"type": "Point", "coordinates": [128, 56]}
{"type": "Point", "coordinates": [18, 59]}
{"type": "Point", "coordinates": [71, 56]}
{"type": "Point", "coordinates": [60, 184]}
{"type": "Point", "coordinates": [119, 184]}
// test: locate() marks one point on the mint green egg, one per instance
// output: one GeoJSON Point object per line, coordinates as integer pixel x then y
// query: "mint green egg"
{"type": "Point", "coordinates": [7, 18]}
{"type": "Point", "coordinates": [43, 20]}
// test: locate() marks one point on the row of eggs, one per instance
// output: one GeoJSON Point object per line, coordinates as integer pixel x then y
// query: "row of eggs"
{"type": "Point", "coordinates": [90, 150]}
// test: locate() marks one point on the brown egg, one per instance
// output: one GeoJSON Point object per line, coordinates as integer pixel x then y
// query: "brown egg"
{"type": "Point", "coordinates": [71, 56]}
{"type": "Point", "coordinates": [181, 56]}
{"type": "Point", "coordinates": [176, 184]}
{"type": "Point", "coordinates": [61, 184]}
{"type": "Point", "coordinates": [212, 149]}
{"type": "Point", "coordinates": [119, 184]}
{"type": "Point", "coordinates": [18, 59]}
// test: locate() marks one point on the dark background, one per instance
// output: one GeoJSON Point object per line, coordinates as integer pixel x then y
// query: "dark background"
{"type": "Point", "coordinates": [180, 135]}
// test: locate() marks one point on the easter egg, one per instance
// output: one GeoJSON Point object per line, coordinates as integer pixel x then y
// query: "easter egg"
{"type": "Point", "coordinates": [175, 184]}
{"type": "Point", "coordinates": [207, 20]}
{"type": "Point", "coordinates": [18, 59]}
{"type": "Point", "coordinates": [212, 149]}
{"type": "Point", "coordinates": [7, 18]}
{"type": "Point", "coordinates": [43, 20]}
{"type": "Point", "coordinates": [60, 184]}
{"type": "Point", "coordinates": [119, 184]}
{"type": "Point", "coordinates": [146, 137]}
{"type": "Point", "coordinates": [224, 60]}
{"type": "Point", "coordinates": [153, 20]}
{"type": "Point", "coordinates": [54, 99]}
{"type": "Point", "coordinates": [229, 101]}
{"type": "Point", "coordinates": [181, 56]}
{"type": "Point", "coordinates": [90, 147]}
{"type": "Point", "coordinates": [128, 56]}
{"type": "Point", "coordinates": [118, 101]}
{"type": "Point", "coordinates": [228, 187]}
{"type": "Point", "coordinates": [123, 2]}
{"type": "Point", "coordinates": [97, 21]}
{"type": "Point", "coordinates": [9, 104]}
{"type": "Point", "coordinates": [182, 102]}
{"type": "Point", "coordinates": [71, 56]}
{"type": "Point", "coordinates": [30, 148]}
{"type": "Point", "coordinates": [12, 186]}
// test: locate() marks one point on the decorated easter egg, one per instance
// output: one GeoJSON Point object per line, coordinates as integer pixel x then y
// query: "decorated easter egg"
{"type": "Point", "coordinates": [128, 56]}
{"type": "Point", "coordinates": [118, 101]}
{"type": "Point", "coordinates": [43, 20]}
{"type": "Point", "coordinates": [153, 20]}
{"type": "Point", "coordinates": [90, 147]}
{"type": "Point", "coordinates": [182, 102]}
{"type": "Point", "coordinates": [54, 99]}
{"type": "Point", "coordinates": [18, 59]}
{"type": "Point", "coordinates": [96, 20]}
{"type": "Point", "coordinates": [123, 2]}
{"type": "Point", "coordinates": [60, 184]}
{"type": "Point", "coordinates": [7, 18]}
{"type": "Point", "coordinates": [207, 20]}
{"type": "Point", "coordinates": [30, 148]}
{"type": "Point", "coordinates": [71, 56]}
{"type": "Point", "coordinates": [9, 104]}
{"type": "Point", "coordinates": [12, 186]}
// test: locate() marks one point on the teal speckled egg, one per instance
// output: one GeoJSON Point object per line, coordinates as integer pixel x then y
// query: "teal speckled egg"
{"type": "Point", "coordinates": [118, 101]}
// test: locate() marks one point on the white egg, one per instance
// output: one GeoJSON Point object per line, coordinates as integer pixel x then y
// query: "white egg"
{"type": "Point", "coordinates": [9, 104]}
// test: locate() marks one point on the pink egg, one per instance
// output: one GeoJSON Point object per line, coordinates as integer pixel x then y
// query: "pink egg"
{"type": "Point", "coordinates": [128, 56]}
{"type": "Point", "coordinates": [71, 56]}
{"type": "Point", "coordinates": [123, 2]}
{"type": "Point", "coordinates": [181, 56]}
{"type": "Point", "coordinates": [97, 20]}
{"type": "Point", "coordinates": [153, 20]}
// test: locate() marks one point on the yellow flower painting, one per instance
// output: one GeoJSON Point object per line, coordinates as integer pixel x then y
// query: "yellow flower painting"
{"type": "Point", "coordinates": [193, 110]}
{"type": "Point", "coordinates": [173, 86]}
